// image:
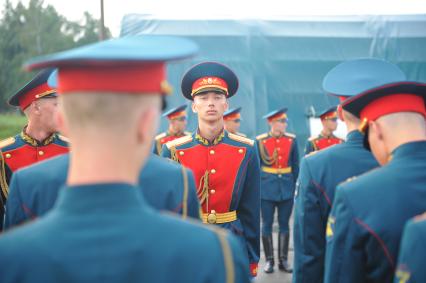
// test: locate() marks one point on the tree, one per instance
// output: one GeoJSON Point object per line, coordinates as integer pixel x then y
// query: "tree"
{"type": "Point", "coordinates": [35, 30]}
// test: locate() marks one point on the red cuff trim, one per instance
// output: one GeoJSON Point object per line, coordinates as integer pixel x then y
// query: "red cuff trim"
{"type": "Point", "coordinates": [253, 269]}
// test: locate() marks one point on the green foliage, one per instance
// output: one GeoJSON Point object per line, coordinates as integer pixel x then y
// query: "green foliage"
{"type": "Point", "coordinates": [11, 124]}
{"type": "Point", "coordinates": [36, 30]}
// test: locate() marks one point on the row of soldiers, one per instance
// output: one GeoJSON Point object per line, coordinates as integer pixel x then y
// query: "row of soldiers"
{"type": "Point", "coordinates": [103, 198]}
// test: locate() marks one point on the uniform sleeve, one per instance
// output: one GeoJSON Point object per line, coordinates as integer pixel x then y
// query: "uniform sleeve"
{"type": "Point", "coordinates": [249, 209]}
{"type": "Point", "coordinates": [412, 256]}
{"type": "Point", "coordinates": [308, 147]}
{"type": "Point", "coordinates": [344, 258]}
{"type": "Point", "coordinates": [309, 233]}
{"type": "Point", "coordinates": [193, 203]}
{"type": "Point", "coordinates": [295, 160]}
{"type": "Point", "coordinates": [14, 214]}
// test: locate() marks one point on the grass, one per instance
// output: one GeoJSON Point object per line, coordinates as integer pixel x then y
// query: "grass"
{"type": "Point", "coordinates": [11, 124]}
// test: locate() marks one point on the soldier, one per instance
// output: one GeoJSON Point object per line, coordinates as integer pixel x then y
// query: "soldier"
{"type": "Point", "coordinates": [365, 225]}
{"type": "Point", "coordinates": [225, 165]}
{"type": "Point", "coordinates": [39, 139]}
{"type": "Point", "coordinates": [101, 227]}
{"type": "Point", "coordinates": [322, 171]}
{"type": "Point", "coordinates": [232, 120]}
{"type": "Point", "coordinates": [326, 138]}
{"type": "Point", "coordinates": [280, 168]}
{"type": "Point", "coordinates": [177, 125]}
{"type": "Point", "coordinates": [412, 253]}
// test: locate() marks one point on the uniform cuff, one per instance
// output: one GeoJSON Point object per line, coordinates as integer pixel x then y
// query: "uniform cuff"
{"type": "Point", "coordinates": [253, 269]}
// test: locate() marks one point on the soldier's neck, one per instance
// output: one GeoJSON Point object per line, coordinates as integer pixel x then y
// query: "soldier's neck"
{"type": "Point", "coordinates": [173, 132]}
{"type": "Point", "coordinates": [36, 132]}
{"type": "Point", "coordinates": [326, 133]}
{"type": "Point", "coordinates": [210, 131]}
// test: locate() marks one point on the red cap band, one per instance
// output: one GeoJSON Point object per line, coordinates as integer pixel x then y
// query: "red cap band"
{"type": "Point", "coordinates": [278, 116]}
{"type": "Point", "coordinates": [233, 116]}
{"type": "Point", "coordinates": [34, 94]}
{"type": "Point", "coordinates": [209, 83]}
{"type": "Point", "coordinates": [176, 115]}
{"type": "Point", "coordinates": [141, 78]}
{"type": "Point", "coordinates": [328, 116]}
{"type": "Point", "coordinates": [393, 104]}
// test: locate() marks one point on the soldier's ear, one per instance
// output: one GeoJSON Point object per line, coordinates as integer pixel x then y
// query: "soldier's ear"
{"type": "Point", "coordinates": [194, 109]}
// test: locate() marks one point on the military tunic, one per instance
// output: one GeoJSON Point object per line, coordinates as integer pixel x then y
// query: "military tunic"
{"type": "Point", "coordinates": [108, 233]}
{"type": "Point", "coordinates": [34, 190]}
{"type": "Point", "coordinates": [279, 170]}
{"type": "Point", "coordinates": [320, 173]}
{"type": "Point", "coordinates": [227, 175]}
{"type": "Point", "coordinates": [320, 142]}
{"type": "Point", "coordinates": [366, 222]}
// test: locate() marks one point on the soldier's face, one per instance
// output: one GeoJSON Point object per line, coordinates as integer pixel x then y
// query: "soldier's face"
{"type": "Point", "coordinates": [232, 126]}
{"type": "Point", "coordinates": [278, 126]}
{"type": "Point", "coordinates": [210, 106]}
{"type": "Point", "coordinates": [47, 109]}
{"type": "Point", "coordinates": [377, 145]}
{"type": "Point", "coordinates": [179, 124]}
{"type": "Point", "coordinates": [330, 124]}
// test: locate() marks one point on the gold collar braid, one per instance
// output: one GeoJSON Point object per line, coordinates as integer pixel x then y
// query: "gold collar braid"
{"type": "Point", "coordinates": [30, 140]}
{"type": "Point", "coordinates": [204, 141]}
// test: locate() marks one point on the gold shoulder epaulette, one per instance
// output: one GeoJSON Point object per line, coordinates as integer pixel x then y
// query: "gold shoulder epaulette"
{"type": "Point", "coordinates": [179, 141]}
{"type": "Point", "coordinates": [64, 138]}
{"type": "Point", "coordinates": [421, 217]}
{"type": "Point", "coordinates": [241, 134]}
{"type": "Point", "coordinates": [7, 142]}
{"type": "Point", "coordinates": [160, 136]}
{"type": "Point", "coordinates": [290, 135]}
{"type": "Point", "coordinates": [241, 139]}
{"type": "Point", "coordinates": [262, 136]}
{"type": "Point", "coordinates": [187, 133]}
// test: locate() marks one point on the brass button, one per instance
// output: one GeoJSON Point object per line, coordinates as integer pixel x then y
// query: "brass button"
{"type": "Point", "coordinates": [279, 166]}
{"type": "Point", "coordinates": [181, 153]}
{"type": "Point", "coordinates": [8, 155]}
{"type": "Point", "coordinates": [212, 191]}
{"type": "Point", "coordinates": [279, 176]}
{"type": "Point", "coordinates": [211, 218]}
{"type": "Point", "coordinates": [213, 171]}
{"type": "Point", "coordinates": [280, 157]}
{"type": "Point", "coordinates": [264, 141]}
{"type": "Point", "coordinates": [278, 140]}
{"type": "Point", "coordinates": [211, 151]}
{"type": "Point", "coordinates": [240, 150]}
{"type": "Point", "coordinates": [41, 152]}
{"type": "Point", "coordinates": [37, 96]}
{"type": "Point", "coordinates": [213, 211]}
{"type": "Point", "coordinates": [278, 148]}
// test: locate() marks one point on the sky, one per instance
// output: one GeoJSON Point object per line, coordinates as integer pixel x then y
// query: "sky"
{"type": "Point", "coordinates": [236, 9]}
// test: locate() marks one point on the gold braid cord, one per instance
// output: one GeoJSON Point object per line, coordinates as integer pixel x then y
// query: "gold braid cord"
{"type": "Point", "coordinates": [185, 194]}
{"type": "Point", "coordinates": [265, 157]}
{"type": "Point", "coordinates": [3, 184]}
{"type": "Point", "coordinates": [203, 189]}
{"type": "Point", "coordinates": [173, 154]}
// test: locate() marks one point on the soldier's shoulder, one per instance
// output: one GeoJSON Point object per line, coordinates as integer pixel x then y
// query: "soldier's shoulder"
{"type": "Point", "coordinates": [7, 142]}
{"type": "Point", "coordinates": [63, 138]}
{"type": "Point", "coordinates": [241, 134]}
{"type": "Point", "coordinates": [160, 136]}
{"type": "Point", "coordinates": [262, 136]}
{"type": "Point", "coordinates": [290, 135]}
{"type": "Point", "coordinates": [178, 142]}
{"type": "Point", "coordinates": [241, 139]}
{"type": "Point", "coordinates": [187, 133]}
{"type": "Point", "coordinates": [312, 138]}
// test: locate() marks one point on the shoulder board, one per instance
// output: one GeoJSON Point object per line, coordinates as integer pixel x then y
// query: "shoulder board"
{"type": "Point", "coordinates": [241, 134]}
{"type": "Point", "coordinates": [241, 139]}
{"type": "Point", "coordinates": [160, 136]}
{"type": "Point", "coordinates": [7, 142]}
{"type": "Point", "coordinates": [290, 135]}
{"type": "Point", "coordinates": [179, 141]}
{"type": "Point", "coordinates": [262, 136]}
{"type": "Point", "coordinates": [64, 138]}
{"type": "Point", "coordinates": [187, 133]}
{"type": "Point", "coordinates": [421, 217]}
